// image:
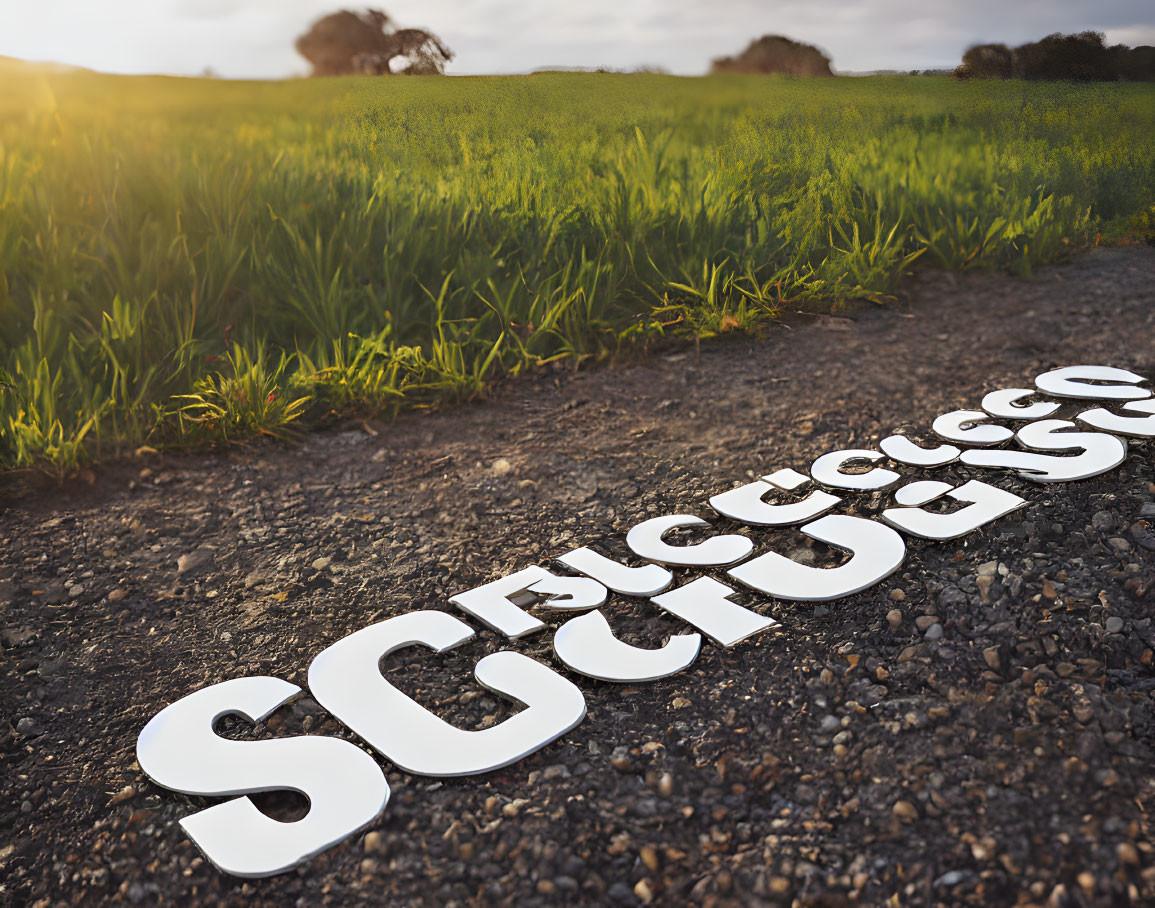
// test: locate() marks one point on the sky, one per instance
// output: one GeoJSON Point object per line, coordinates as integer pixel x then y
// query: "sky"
{"type": "Point", "coordinates": [254, 38]}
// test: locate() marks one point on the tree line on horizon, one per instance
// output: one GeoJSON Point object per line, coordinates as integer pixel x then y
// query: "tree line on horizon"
{"type": "Point", "coordinates": [368, 43]}
{"type": "Point", "coordinates": [1084, 57]}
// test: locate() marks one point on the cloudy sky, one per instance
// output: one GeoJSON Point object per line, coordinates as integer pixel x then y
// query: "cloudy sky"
{"type": "Point", "coordinates": [254, 38]}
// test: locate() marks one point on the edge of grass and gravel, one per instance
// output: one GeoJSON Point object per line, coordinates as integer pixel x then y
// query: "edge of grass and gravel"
{"type": "Point", "coordinates": [184, 262]}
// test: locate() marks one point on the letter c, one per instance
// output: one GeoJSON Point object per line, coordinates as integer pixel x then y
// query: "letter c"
{"type": "Point", "coordinates": [347, 681]}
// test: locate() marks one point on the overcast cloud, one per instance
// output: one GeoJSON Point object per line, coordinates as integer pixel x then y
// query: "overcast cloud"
{"type": "Point", "coordinates": [254, 38]}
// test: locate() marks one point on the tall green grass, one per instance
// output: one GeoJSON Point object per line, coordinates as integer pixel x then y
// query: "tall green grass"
{"type": "Point", "coordinates": [183, 260]}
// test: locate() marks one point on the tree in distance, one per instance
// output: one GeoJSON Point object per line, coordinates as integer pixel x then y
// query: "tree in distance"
{"type": "Point", "coordinates": [347, 43]}
{"type": "Point", "coordinates": [986, 61]}
{"type": "Point", "coordinates": [1083, 57]}
{"type": "Point", "coordinates": [776, 54]}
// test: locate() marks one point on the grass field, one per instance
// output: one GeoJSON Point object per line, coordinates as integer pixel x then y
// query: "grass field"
{"type": "Point", "coordinates": [185, 261]}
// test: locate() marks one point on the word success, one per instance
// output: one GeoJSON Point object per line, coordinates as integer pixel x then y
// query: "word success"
{"type": "Point", "coordinates": [346, 788]}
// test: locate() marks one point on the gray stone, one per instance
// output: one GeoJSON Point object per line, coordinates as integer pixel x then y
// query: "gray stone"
{"type": "Point", "coordinates": [1143, 535]}
{"type": "Point", "coordinates": [565, 884]}
{"type": "Point", "coordinates": [1103, 520]}
{"type": "Point", "coordinates": [952, 597]}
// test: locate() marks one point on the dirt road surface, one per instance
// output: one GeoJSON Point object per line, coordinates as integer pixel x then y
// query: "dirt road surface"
{"type": "Point", "coordinates": [977, 729]}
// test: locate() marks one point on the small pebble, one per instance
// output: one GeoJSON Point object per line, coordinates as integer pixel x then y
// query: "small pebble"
{"type": "Point", "coordinates": [373, 842]}
{"type": "Point", "coordinates": [192, 562]}
{"type": "Point", "coordinates": [1114, 624]}
{"type": "Point", "coordinates": [904, 810]}
{"type": "Point", "coordinates": [123, 795]}
{"type": "Point", "coordinates": [513, 808]}
{"type": "Point", "coordinates": [894, 618]}
{"type": "Point", "coordinates": [1103, 520]}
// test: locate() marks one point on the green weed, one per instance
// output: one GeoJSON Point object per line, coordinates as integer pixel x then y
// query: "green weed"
{"type": "Point", "coordinates": [187, 261]}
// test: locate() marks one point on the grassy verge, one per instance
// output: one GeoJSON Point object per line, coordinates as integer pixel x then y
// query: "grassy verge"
{"type": "Point", "coordinates": [184, 261]}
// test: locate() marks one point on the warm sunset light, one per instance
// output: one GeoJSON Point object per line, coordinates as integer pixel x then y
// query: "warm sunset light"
{"type": "Point", "coordinates": [253, 38]}
{"type": "Point", "coordinates": [613, 453]}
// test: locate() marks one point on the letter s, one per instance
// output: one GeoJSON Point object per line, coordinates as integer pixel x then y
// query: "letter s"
{"type": "Point", "coordinates": [179, 750]}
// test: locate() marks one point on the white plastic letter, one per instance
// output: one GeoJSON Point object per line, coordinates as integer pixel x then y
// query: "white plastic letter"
{"type": "Point", "coordinates": [1071, 381]}
{"type": "Point", "coordinates": [640, 581]}
{"type": "Point", "coordinates": [490, 603]}
{"type": "Point", "coordinates": [704, 604]}
{"type": "Point", "coordinates": [986, 503]}
{"type": "Point", "coordinates": [1100, 453]}
{"type": "Point", "coordinates": [179, 750]}
{"type": "Point", "coordinates": [901, 449]}
{"type": "Point", "coordinates": [1002, 404]}
{"type": "Point", "coordinates": [1135, 426]}
{"type": "Point", "coordinates": [921, 492]}
{"type": "Point", "coordinates": [569, 594]}
{"type": "Point", "coordinates": [646, 541]}
{"type": "Point", "coordinates": [587, 645]}
{"type": "Point", "coordinates": [746, 504]}
{"type": "Point", "coordinates": [347, 681]}
{"type": "Point", "coordinates": [960, 425]}
{"type": "Point", "coordinates": [877, 551]}
{"type": "Point", "coordinates": [827, 470]}
{"type": "Point", "coordinates": [787, 480]}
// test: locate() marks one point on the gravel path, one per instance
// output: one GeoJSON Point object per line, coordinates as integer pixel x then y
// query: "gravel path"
{"type": "Point", "coordinates": [977, 729]}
